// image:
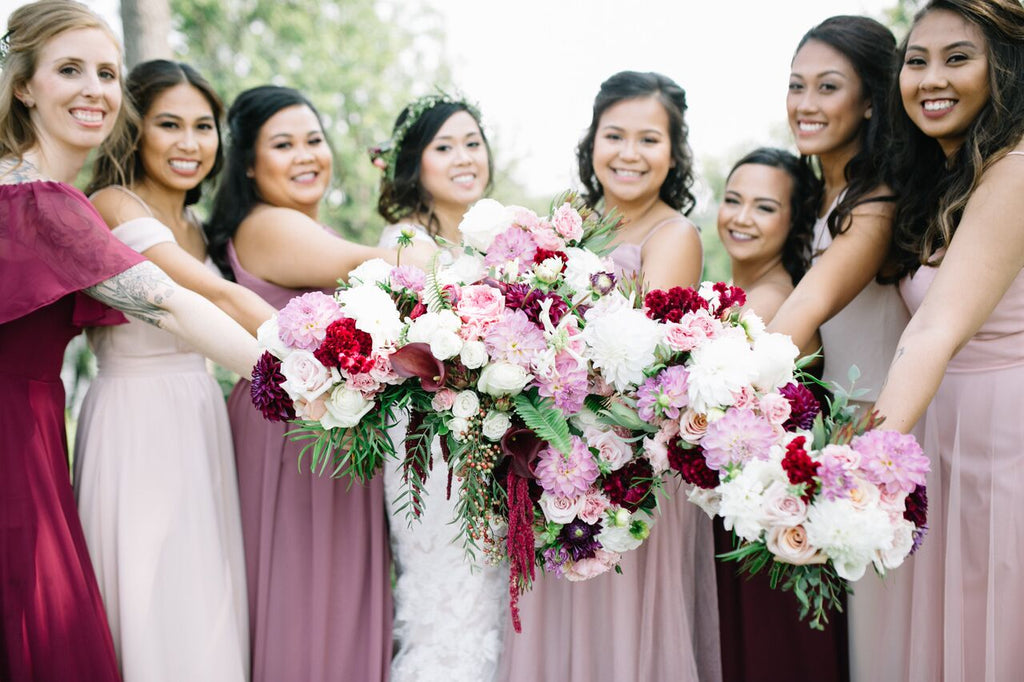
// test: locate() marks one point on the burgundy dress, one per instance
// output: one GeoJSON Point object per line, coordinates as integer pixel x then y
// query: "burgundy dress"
{"type": "Point", "coordinates": [52, 245]}
{"type": "Point", "coordinates": [316, 550]}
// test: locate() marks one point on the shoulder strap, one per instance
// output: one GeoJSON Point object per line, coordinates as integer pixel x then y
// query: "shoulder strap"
{"type": "Point", "coordinates": [1015, 153]}
{"type": "Point", "coordinates": [659, 225]}
{"type": "Point", "coordinates": [132, 194]}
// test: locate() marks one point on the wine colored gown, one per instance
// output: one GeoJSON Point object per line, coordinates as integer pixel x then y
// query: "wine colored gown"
{"type": "Point", "coordinates": [656, 621]}
{"type": "Point", "coordinates": [52, 245]}
{"type": "Point", "coordinates": [316, 550]}
{"type": "Point", "coordinates": [968, 604]}
{"type": "Point", "coordinates": [158, 498]}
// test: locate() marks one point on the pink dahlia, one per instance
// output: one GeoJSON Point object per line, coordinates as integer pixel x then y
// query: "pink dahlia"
{"type": "Point", "coordinates": [514, 338]}
{"type": "Point", "coordinates": [512, 244]}
{"type": "Point", "coordinates": [738, 437]}
{"type": "Point", "coordinates": [302, 323]}
{"type": "Point", "coordinates": [663, 395]}
{"type": "Point", "coordinates": [567, 475]}
{"type": "Point", "coordinates": [891, 460]}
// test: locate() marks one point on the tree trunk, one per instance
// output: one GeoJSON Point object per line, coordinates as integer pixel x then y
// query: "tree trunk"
{"type": "Point", "coordinates": [147, 26]}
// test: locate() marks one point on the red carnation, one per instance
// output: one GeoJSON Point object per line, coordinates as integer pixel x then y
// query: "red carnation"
{"type": "Point", "coordinates": [728, 296]}
{"type": "Point", "coordinates": [800, 468]}
{"type": "Point", "coordinates": [691, 465]}
{"type": "Point", "coordinates": [543, 254]}
{"type": "Point", "coordinates": [628, 487]}
{"type": "Point", "coordinates": [345, 347]}
{"type": "Point", "coordinates": [671, 305]}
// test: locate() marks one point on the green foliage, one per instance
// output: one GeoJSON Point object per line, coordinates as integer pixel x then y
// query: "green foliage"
{"type": "Point", "coordinates": [542, 417]}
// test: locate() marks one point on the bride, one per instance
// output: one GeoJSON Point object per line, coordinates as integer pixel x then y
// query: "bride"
{"type": "Point", "coordinates": [449, 609]}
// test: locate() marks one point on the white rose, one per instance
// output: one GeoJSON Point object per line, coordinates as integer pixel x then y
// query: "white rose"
{"type": "Point", "coordinates": [345, 407]}
{"type": "Point", "coordinates": [465, 269]}
{"type": "Point", "coordinates": [495, 425]}
{"type": "Point", "coordinates": [503, 378]}
{"type": "Point", "coordinates": [474, 354]}
{"type": "Point", "coordinates": [445, 345]}
{"type": "Point", "coordinates": [560, 509]}
{"type": "Point", "coordinates": [466, 404]}
{"type": "Point", "coordinates": [371, 272]}
{"type": "Point", "coordinates": [773, 358]}
{"type": "Point", "coordinates": [903, 541]}
{"type": "Point", "coordinates": [305, 376]}
{"type": "Point", "coordinates": [581, 265]}
{"type": "Point", "coordinates": [484, 221]}
{"type": "Point", "coordinates": [268, 337]}
{"type": "Point", "coordinates": [374, 312]}
{"type": "Point", "coordinates": [459, 428]}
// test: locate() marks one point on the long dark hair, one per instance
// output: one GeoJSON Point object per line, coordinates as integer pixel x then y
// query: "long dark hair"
{"type": "Point", "coordinates": [237, 194]}
{"type": "Point", "coordinates": [869, 46]}
{"type": "Point", "coordinates": [934, 189]}
{"type": "Point", "coordinates": [145, 83]}
{"type": "Point", "coordinates": [803, 205]}
{"type": "Point", "coordinates": [404, 195]}
{"type": "Point", "coordinates": [675, 191]}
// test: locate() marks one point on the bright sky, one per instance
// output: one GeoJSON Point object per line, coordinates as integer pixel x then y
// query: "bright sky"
{"type": "Point", "coordinates": [534, 67]}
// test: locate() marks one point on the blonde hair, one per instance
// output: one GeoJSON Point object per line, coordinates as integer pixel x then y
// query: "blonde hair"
{"type": "Point", "coordinates": [29, 29]}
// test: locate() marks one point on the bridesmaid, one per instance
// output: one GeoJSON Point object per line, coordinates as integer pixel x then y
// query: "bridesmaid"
{"type": "Point", "coordinates": [316, 549]}
{"type": "Point", "coordinates": [449, 611]}
{"type": "Point", "coordinates": [838, 92]}
{"type": "Point", "coordinates": [658, 620]}
{"type": "Point", "coordinates": [60, 97]}
{"type": "Point", "coordinates": [765, 221]}
{"type": "Point", "coordinates": [154, 467]}
{"type": "Point", "coordinates": [958, 165]}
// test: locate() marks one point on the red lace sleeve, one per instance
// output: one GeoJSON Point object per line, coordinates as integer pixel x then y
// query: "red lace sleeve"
{"type": "Point", "coordinates": [52, 243]}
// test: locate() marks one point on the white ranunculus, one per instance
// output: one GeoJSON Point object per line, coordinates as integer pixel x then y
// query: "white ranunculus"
{"type": "Point", "coordinates": [473, 354]}
{"type": "Point", "coordinates": [466, 404]}
{"type": "Point", "coordinates": [621, 538]}
{"type": "Point", "coordinates": [374, 312]}
{"type": "Point", "coordinates": [345, 407]}
{"type": "Point", "coordinates": [560, 509]}
{"type": "Point", "coordinates": [424, 327]}
{"type": "Point", "coordinates": [581, 265]}
{"type": "Point", "coordinates": [903, 541]}
{"type": "Point", "coordinates": [371, 272]}
{"type": "Point", "coordinates": [306, 377]}
{"type": "Point", "coordinates": [621, 343]}
{"type": "Point", "coordinates": [496, 423]}
{"type": "Point", "coordinates": [718, 369]}
{"type": "Point", "coordinates": [740, 507]}
{"type": "Point", "coordinates": [484, 221]}
{"type": "Point", "coordinates": [849, 536]}
{"type": "Point", "coordinates": [774, 356]}
{"type": "Point", "coordinates": [707, 499]}
{"type": "Point", "coordinates": [269, 339]}
{"type": "Point", "coordinates": [445, 345]}
{"type": "Point", "coordinates": [459, 428]}
{"type": "Point", "coordinates": [503, 378]}
{"type": "Point", "coordinates": [752, 323]}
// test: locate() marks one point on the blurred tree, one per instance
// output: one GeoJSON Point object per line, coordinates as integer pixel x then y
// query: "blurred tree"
{"type": "Point", "coordinates": [900, 17]}
{"type": "Point", "coordinates": [147, 25]}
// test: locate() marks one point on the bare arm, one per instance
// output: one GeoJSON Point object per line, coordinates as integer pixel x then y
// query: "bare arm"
{"type": "Point", "coordinates": [146, 292]}
{"type": "Point", "coordinates": [673, 257]}
{"type": "Point", "coordinates": [983, 259]}
{"type": "Point", "coordinates": [847, 266]}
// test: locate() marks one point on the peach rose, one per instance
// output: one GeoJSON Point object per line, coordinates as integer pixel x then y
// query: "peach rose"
{"type": "Point", "coordinates": [790, 546]}
{"type": "Point", "coordinates": [585, 569]}
{"type": "Point", "coordinates": [692, 426]}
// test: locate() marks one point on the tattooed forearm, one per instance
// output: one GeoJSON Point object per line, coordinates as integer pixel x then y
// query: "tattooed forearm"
{"type": "Point", "coordinates": [140, 291]}
{"type": "Point", "coordinates": [13, 171]}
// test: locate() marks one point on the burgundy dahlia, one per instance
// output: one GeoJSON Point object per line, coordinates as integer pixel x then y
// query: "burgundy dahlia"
{"type": "Point", "coordinates": [800, 468]}
{"type": "Point", "coordinates": [347, 348]}
{"type": "Point", "coordinates": [691, 465]}
{"type": "Point", "coordinates": [580, 539]}
{"type": "Point", "coordinates": [804, 407]}
{"type": "Point", "coordinates": [629, 486]}
{"type": "Point", "coordinates": [515, 294]}
{"type": "Point", "coordinates": [531, 306]}
{"type": "Point", "coordinates": [266, 392]}
{"type": "Point", "coordinates": [917, 507]}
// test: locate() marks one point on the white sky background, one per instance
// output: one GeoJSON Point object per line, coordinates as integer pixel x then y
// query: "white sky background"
{"type": "Point", "coordinates": [534, 67]}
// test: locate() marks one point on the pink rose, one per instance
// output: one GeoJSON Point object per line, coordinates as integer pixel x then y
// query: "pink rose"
{"type": "Point", "coordinates": [594, 505]}
{"type": "Point", "coordinates": [585, 569]}
{"type": "Point", "coordinates": [745, 398]}
{"type": "Point", "coordinates": [692, 426]}
{"type": "Point", "coordinates": [443, 400]}
{"type": "Point", "coordinates": [780, 508]}
{"type": "Point", "coordinates": [790, 546]}
{"type": "Point", "coordinates": [560, 509]}
{"type": "Point", "coordinates": [775, 408]}
{"type": "Point", "coordinates": [844, 454]}
{"type": "Point", "coordinates": [524, 217]}
{"type": "Point", "coordinates": [364, 383]}
{"type": "Point", "coordinates": [610, 447]}
{"type": "Point", "coordinates": [691, 331]}
{"type": "Point", "coordinates": [480, 303]}
{"type": "Point", "coordinates": [382, 370]}
{"type": "Point", "coordinates": [305, 376]}
{"type": "Point", "coordinates": [893, 502]}
{"type": "Point", "coordinates": [567, 222]}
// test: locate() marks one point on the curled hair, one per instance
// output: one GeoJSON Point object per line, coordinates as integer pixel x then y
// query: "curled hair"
{"type": "Point", "coordinates": [626, 85]}
{"type": "Point", "coordinates": [933, 189]}
{"type": "Point", "coordinates": [401, 193]}
{"type": "Point", "coordinates": [803, 205]}
{"type": "Point", "coordinates": [30, 28]}
{"type": "Point", "coordinates": [237, 195]}
{"type": "Point", "coordinates": [869, 46]}
{"type": "Point", "coordinates": [145, 83]}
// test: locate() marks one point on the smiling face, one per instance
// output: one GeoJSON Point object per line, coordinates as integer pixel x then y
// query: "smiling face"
{"type": "Point", "coordinates": [633, 150]}
{"type": "Point", "coordinates": [826, 103]}
{"type": "Point", "coordinates": [755, 216]}
{"type": "Point", "coordinates": [944, 81]}
{"type": "Point", "coordinates": [292, 163]}
{"type": "Point", "coordinates": [453, 167]}
{"type": "Point", "coordinates": [179, 139]}
{"type": "Point", "coordinates": [74, 96]}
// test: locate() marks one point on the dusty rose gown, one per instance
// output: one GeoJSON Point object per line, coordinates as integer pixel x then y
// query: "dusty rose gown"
{"type": "Point", "coordinates": [52, 245]}
{"type": "Point", "coordinates": [316, 550]}
{"type": "Point", "coordinates": [968, 604]}
{"type": "Point", "coordinates": [657, 621]}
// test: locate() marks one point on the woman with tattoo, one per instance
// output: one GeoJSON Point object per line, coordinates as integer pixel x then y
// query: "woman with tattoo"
{"type": "Point", "coordinates": [60, 97]}
{"type": "Point", "coordinates": [958, 166]}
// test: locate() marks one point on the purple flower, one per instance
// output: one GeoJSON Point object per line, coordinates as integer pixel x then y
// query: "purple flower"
{"type": "Point", "coordinates": [407, 277]}
{"type": "Point", "coordinates": [532, 306]}
{"type": "Point", "coordinates": [514, 243]}
{"type": "Point", "coordinates": [266, 392]}
{"type": "Point", "coordinates": [580, 539]}
{"type": "Point", "coordinates": [302, 323]}
{"type": "Point", "coordinates": [738, 437]}
{"type": "Point", "coordinates": [567, 475]}
{"type": "Point", "coordinates": [567, 384]}
{"type": "Point", "coordinates": [663, 395]}
{"type": "Point", "coordinates": [836, 481]}
{"type": "Point", "coordinates": [602, 282]}
{"type": "Point", "coordinates": [891, 460]}
{"type": "Point", "coordinates": [514, 339]}
{"type": "Point", "coordinates": [554, 559]}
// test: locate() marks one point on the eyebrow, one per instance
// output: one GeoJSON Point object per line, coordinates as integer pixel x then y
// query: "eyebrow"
{"type": "Point", "coordinates": [769, 199]}
{"type": "Point", "coordinates": [473, 133]}
{"type": "Point", "coordinates": [612, 126]}
{"type": "Point", "coordinates": [167, 114]}
{"type": "Point", "coordinates": [951, 46]}
{"type": "Point", "coordinates": [289, 135]}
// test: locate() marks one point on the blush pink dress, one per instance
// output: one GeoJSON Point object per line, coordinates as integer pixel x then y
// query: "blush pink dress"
{"type": "Point", "coordinates": [968, 604]}
{"type": "Point", "coordinates": [657, 620]}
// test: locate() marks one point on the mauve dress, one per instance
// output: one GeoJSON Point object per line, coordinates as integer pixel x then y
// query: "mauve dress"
{"type": "Point", "coordinates": [657, 621]}
{"type": "Point", "coordinates": [316, 549]}
{"type": "Point", "coordinates": [968, 603]}
{"type": "Point", "coordinates": [52, 245]}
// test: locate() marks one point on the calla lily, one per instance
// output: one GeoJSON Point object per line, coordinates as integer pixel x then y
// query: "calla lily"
{"type": "Point", "coordinates": [416, 360]}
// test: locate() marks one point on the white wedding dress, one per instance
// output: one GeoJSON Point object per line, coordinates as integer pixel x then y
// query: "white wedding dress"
{"type": "Point", "coordinates": [450, 612]}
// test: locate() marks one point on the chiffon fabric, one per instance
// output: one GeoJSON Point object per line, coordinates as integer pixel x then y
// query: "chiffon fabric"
{"type": "Point", "coordinates": [158, 498]}
{"type": "Point", "coordinates": [316, 549]}
{"type": "Point", "coordinates": [450, 610]}
{"type": "Point", "coordinates": [967, 603]}
{"type": "Point", "coordinates": [52, 245]}
{"type": "Point", "coordinates": [657, 621]}
{"type": "Point", "coordinates": [865, 333]}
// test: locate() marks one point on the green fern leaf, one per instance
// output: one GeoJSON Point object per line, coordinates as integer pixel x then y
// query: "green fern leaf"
{"type": "Point", "coordinates": [542, 417]}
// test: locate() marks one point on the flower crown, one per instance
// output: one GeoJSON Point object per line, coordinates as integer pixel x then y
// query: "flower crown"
{"type": "Point", "coordinates": [385, 154]}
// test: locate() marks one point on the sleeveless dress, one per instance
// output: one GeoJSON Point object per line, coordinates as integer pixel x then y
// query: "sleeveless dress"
{"type": "Point", "coordinates": [158, 497]}
{"type": "Point", "coordinates": [865, 333]}
{"type": "Point", "coordinates": [450, 612]}
{"type": "Point", "coordinates": [52, 245]}
{"type": "Point", "coordinates": [967, 604]}
{"type": "Point", "coordinates": [656, 621]}
{"type": "Point", "coordinates": [316, 549]}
